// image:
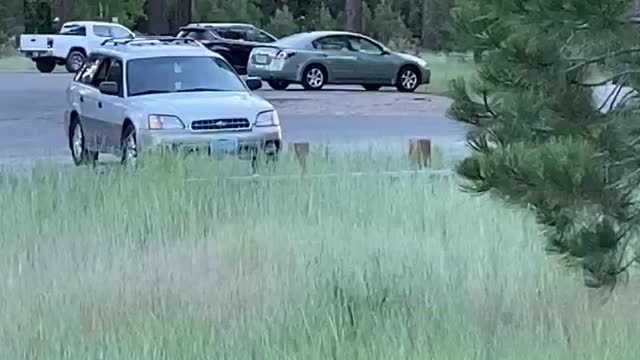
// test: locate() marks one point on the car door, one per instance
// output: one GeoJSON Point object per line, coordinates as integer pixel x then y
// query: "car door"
{"type": "Point", "coordinates": [375, 66]}
{"type": "Point", "coordinates": [93, 99]}
{"type": "Point", "coordinates": [338, 58]}
{"type": "Point", "coordinates": [111, 109]}
{"type": "Point", "coordinates": [87, 110]}
{"type": "Point", "coordinates": [239, 47]}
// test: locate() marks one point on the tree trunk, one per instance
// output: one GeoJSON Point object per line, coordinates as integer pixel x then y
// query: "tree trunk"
{"type": "Point", "coordinates": [353, 10]}
{"type": "Point", "coordinates": [157, 15]}
{"type": "Point", "coordinates": [67, 11]}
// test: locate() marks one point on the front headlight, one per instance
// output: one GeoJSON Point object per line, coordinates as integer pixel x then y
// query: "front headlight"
{"type": "Point", "coordinates": [164, 122]}
{"type": "Point", "coordinates": [422, 62]}
{"type": "Point", "coordinates": [268, 118]}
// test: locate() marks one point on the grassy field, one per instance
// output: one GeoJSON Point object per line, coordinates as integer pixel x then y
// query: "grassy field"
{"type": "Point", "coordinates": [445, 68]}
{"type": "Point", "coordinates": [109, 263]}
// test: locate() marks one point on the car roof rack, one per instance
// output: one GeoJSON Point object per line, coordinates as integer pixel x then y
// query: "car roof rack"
{"type": "Point", "coordinates": [151, 40]}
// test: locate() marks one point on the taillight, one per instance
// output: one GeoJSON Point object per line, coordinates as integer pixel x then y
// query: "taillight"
{"type": "Point", "coordinates": [285, 54]}
{"type": "Point", "coordinates": [49, 43]}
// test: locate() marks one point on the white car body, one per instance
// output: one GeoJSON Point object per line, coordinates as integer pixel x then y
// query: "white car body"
{"type": "Point", "coordinates": [75, 37]}
{"type": "Point", "coordinates": [210, 118]}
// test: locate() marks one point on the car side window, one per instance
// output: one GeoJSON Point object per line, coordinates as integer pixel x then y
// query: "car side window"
{"type": "Point", "coordinates": [332, 43]}
{"type": "Point", "coordinates": [232, 34]}
{"type": "Point", "coordinates": [193, 34]}
{"type": "Point", "coordinates": [118, 32]}
{"type": "Point", "coordinates": [115, 74]}
{"type": "Point", "coordinates": [101, 73]}
{"type": "Point", "coordinates": [89, 71]}
{"type": "Point", "coordinates": [101, 31]}
{"type": "Point", "coordinates": [364, 46]}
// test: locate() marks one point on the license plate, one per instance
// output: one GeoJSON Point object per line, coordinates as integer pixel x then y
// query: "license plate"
{"type": "Point", "coordinates": [223, 146]}
{"type": "Point", "coordinates": [261, 59]}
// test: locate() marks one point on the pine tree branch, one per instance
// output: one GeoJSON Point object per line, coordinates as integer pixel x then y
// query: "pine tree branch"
{"type": "Point", "coordinates": [587, 61]}
{"type": "Point", "coordinates": [607, 80]}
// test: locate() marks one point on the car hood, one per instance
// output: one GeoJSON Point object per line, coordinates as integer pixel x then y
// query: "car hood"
{"type": "Point", "coordinates": [412, 58]}
{"type": "Point", "coordinates": [203, 105]}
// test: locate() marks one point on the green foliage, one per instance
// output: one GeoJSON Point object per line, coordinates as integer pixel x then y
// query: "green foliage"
{"type": "Point", "coordinates": [387, 24]}
{"type": "Point", "coordinates": [228, 11]}
{"type": "Point", "coordinates": [282, 23]}
{"type": "Point", "coordinates": [541, 141]}
{"type": "Point", "coordinates": [126, 11]}
{"type": "Point", "coordinates": [321, 19]}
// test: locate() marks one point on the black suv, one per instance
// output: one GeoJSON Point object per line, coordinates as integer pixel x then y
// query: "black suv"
{"type": "Point", "coordinates": [233, 41]}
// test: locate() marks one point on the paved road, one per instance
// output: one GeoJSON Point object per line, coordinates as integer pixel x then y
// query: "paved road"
{"type": "Point", "coordinates": [32, 104]}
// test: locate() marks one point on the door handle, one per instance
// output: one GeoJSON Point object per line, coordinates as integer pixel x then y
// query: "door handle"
{"type": "Point", "coordinates": [81, 98]}
{"type": "Point", "coordinates": [100, 104]}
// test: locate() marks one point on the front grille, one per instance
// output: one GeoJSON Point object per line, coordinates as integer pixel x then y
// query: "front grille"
{"type": "Point", "coordinates": [220, 124]}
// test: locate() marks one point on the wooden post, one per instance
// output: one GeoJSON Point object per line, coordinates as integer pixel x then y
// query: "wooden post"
{"type": "Point", "coordinates": [420, 152]}
{"type": "Point", "coordinates": [302, 151]}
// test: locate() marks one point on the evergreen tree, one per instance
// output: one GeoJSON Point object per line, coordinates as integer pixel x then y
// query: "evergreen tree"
{"type": "Point", "coordinates": [282, 23]}
{"type": "Point", "coordinates": [540, 140]}
{"type": "Point", "coordinates": [387, 24]}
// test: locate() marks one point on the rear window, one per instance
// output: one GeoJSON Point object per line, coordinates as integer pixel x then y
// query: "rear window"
{"type": "Point", "coordinates": [73, 29]}
{"type": "Point", "coordinates": [299, 40]}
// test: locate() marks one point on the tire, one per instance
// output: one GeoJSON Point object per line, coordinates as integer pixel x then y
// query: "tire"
{"type": "Point", "coordinates": [278, 84]}
{"type": "Point", "coordinates": [79, 153]}
{"type": "Point", "coordinates": [74, 61]}
{"type": "Point", "coordinates": [45, 66]}
{"type": "Point", "coordinates": [408, 79]}
{"type": "Point", "coordinates": [129, 146]}
{"type": "Point", "coordinates": [314, 77]}
{"type": "Point", "coordinates": [370, 87]}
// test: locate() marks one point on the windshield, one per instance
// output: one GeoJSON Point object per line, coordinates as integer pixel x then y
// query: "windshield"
{"type": "Point", "coordinates": [181, 74]}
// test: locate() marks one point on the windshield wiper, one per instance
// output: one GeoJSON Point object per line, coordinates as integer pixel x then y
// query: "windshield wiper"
{"type": "Point", "coordinates": [147, 92]}
{"type": "Point", "coordinates": [198, 89]}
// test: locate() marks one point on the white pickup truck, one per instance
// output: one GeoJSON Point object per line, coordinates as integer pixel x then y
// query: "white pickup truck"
{"type": "Point", "coordinates": [71, 45]}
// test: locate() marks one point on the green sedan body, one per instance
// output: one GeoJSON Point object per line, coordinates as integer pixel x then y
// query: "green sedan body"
{"type": "Point", "coordinates": [317, 58]}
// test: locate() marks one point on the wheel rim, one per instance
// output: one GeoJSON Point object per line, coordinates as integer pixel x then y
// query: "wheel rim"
{"type": "Point", "coordinates": [315, 77]}
{"type": "Point", "coordinates": [130, 150]}
{"type": "Point", "coordinates": [76, 62]}
{"type": "Point", "coordinates": [77, 142]}
{"type": "Point", "coordinates": [409, 79]}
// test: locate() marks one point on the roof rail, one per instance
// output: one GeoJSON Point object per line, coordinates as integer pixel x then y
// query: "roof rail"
{"type": "Point", "coordinates": [152, 40]}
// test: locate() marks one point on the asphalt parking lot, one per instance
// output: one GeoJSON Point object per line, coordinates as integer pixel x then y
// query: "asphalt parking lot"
{"type": "Point", "coordinates": [32, 106]}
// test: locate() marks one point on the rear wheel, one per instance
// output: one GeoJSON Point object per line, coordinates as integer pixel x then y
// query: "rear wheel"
{"type": "Point", "coordinates": [45, 65]}
{"type": "Point", "coordinates": [370, 87]}
{"type": "Point", "coordinates": [80, 154]}
{"type": "Point", "coordinates": [278, 84]}
{"type": "Point", "coordinates": [314, 77]}
{"type": "Point", "coordinates": [74, 61]}
{"type": "Point", "coordinates": [408, 79]}
{"type": "Point", "coordinates": [129, 146]}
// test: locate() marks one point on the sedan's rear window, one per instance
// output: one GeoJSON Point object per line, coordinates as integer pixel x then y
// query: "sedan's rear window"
{"type": "Point", "coordinates": [181, 74]}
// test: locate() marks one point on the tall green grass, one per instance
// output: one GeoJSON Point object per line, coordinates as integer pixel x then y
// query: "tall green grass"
{"type": "Point", "coordinates": [176, 260]}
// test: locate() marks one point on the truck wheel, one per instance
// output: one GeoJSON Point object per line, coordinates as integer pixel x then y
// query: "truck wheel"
{"type": "Point", "coordinates": [74, 61]}
{"type": "Point", "coordinates": [45, 65]}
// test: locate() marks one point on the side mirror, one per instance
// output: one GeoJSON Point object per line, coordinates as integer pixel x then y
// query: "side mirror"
{"type": "Point", "coordinates": [254, 83]}
{"type": "Point", "coordinates": [109, 88]}
{"type": "Point", "coordinates": [385, 52]}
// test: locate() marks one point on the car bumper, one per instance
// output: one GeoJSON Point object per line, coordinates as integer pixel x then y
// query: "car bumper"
{"type": "Point", "coordinates": [288, 73]}
{"type": "Point", "coordinates": [426, 75]}
{"type": "Point", "coordinates": [37, 54]}
{"type": "Point", "coordinates": [259, 139]}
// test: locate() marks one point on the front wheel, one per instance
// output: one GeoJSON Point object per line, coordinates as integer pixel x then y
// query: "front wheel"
{"type": "Point", "coordinates": [408, 79]}
{"type": "Point", "coordinates": [79, 152]}
{"type": "Point", "coordinates": [278, 84]}
{"type": "Point", "coordinates": [129, 146]}
{"type": "Point", "coordinates": [46, 65]}
{"type": "Point", "coordinates": [74, 61]}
